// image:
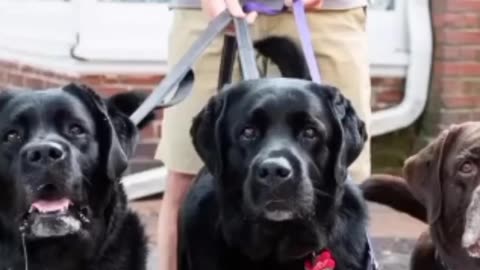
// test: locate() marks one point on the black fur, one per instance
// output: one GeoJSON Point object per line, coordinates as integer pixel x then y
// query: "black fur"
{"type": "Point", "coordinates": [226, 222]}
{"type": "Point", "coordinates": [281, 50]}
{"type": "Point", "coordinates": [96, 138]}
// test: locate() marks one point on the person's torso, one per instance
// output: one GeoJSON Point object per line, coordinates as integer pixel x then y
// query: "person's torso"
{"type": "Point", "coordinates": [328, 4]}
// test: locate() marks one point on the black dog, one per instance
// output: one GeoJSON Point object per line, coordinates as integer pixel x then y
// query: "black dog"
{"type": "Point", "coordinates": [275, 190]}
{"type": "Point", "coordinates": [62, 153]}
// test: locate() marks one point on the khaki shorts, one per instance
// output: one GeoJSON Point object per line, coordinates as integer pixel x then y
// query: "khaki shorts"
{"type": "Point", "coordinates": [340, 43]}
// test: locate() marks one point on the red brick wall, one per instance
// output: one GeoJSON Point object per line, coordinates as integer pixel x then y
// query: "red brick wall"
{"type": "Point", "coordinates": [455, 92]}
{"type": "Point", "coordinates": [387, 92]}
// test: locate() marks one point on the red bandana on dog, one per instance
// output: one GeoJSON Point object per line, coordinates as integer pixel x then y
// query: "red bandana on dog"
{"type": "Point", "coordinates": [324, 261]}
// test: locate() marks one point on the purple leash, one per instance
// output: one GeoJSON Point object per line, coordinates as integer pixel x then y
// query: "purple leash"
{"type": "Point", "coordinates": [302, 26]}
{"type": "Point", "coordinates": [262, 8]}
{"type": "Point", "coordinates": [306, 40]}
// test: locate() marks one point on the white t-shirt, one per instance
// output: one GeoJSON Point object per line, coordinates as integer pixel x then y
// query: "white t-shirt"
{"type": "Point", "coordinates": [344, 4]}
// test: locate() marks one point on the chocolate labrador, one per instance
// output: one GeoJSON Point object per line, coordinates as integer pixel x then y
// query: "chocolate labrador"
{"type": "Point", "coordinates": [442, 188]}
{"type": "Point", "coordinates": [62, 206]}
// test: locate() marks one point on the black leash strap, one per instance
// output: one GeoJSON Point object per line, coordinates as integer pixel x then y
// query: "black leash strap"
{"type": "Point", "coordinates": [181, 77]}
{"type": "Point", "coordinates": [227, 61]}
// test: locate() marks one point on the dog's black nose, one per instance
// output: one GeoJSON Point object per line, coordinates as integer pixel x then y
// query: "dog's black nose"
{"type": "Point", "coordinates": [275, 169]}
{"type": "Point", "coordinates": [43, 154]}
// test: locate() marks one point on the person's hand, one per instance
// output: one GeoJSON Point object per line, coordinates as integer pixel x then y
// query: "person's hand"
{"type": "Point", "coordinates": [307, 3]}
{"type": "Point", "coordinates": [214, 7]}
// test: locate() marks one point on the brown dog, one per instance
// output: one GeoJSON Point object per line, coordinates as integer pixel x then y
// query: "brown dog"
{"type": "Point", "coordinates": [442, 188]}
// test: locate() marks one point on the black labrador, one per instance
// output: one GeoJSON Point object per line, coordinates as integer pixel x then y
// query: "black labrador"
{"type": "Point", "coordinates": [62, 206]}
{"type": "Point", "coordinates": [275, 192]}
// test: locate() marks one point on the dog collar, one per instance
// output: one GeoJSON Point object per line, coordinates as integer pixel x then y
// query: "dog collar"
{"type": "Point", "coordinates": [322, 261]}
{"type": "Point", "coordinates": [326, 261]}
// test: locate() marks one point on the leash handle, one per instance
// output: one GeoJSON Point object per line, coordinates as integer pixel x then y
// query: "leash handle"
{"type": "Point", "coordinates": [262, 8]}
{"type": "Point", "coordinates": [180, 79]}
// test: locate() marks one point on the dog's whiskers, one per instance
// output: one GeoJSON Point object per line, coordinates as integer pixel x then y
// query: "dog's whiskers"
{"type": "Point", "coordinates": [452, 226]}
{"type": "Point", "coordinates": [82, 216]}
{"type": "Point", "coordinates": [23, 227]}
{"type": "Point", "coordinates": [87, 180]}
{"type": "Point", "coordinates": [322, 193]}
{"type": "Point", "coordinates": [25, 251]}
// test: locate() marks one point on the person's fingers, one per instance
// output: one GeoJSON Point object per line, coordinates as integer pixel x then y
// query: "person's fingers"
{"type": "Point", "coordinates": [251, 17]}
{"type": "Point", "coordinates": [213, 7]}
{"type": "Point", "coordinates": [235, 8]}
{"type": "Point", "coordinates": [313, 3]}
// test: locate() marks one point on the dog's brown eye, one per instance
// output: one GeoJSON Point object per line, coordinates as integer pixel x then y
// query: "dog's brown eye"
{"type": "Point", "coordinates": [249, 133]}
{"type": "Point", "coordinates": [76, 130]}
{"type": "Point", "coordinates": [12, 136]}
{"type": "Point", "coordinates": [467, 167]}
{"type": "Point", "coordinates": [309, 133]}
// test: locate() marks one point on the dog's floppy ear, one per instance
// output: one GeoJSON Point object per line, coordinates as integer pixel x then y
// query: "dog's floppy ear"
{"type": "Point", "coordinates": [112, 129]}
{"type": "Point", "coordinates": [423, 172]}
{"type": "Point", "coordinates": [128, 102]}
{"type": "Point", "coordinates": [206, 133]}
{"type": "Point", "coordinates": [120, 107]}
{"type": "Point", "coordinates": [350, 131]}
{"type": "Point", "coordinates": [9, 199]}
{"type": "Point", "coordinates": [10, 203]}
{"type": "Point", "coordinates": [5, 96]}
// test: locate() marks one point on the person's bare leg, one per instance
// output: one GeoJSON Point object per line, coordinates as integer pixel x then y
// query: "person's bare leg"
{"type": "Point", "coordinates": [177, 187]}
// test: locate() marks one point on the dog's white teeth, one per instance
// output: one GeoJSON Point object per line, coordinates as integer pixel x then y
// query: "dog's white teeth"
{"type": "Point", "coordinates": [84, 218]}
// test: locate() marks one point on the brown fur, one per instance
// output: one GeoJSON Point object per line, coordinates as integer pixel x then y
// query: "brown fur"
{"type": "Point", "coordinates": [436, 192]}
{"type": "Point", "coordinates": [393, 191]}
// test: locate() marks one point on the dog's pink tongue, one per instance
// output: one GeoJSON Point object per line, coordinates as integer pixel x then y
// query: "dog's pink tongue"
{"type": "Point", "coordinates": [44, 206]}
